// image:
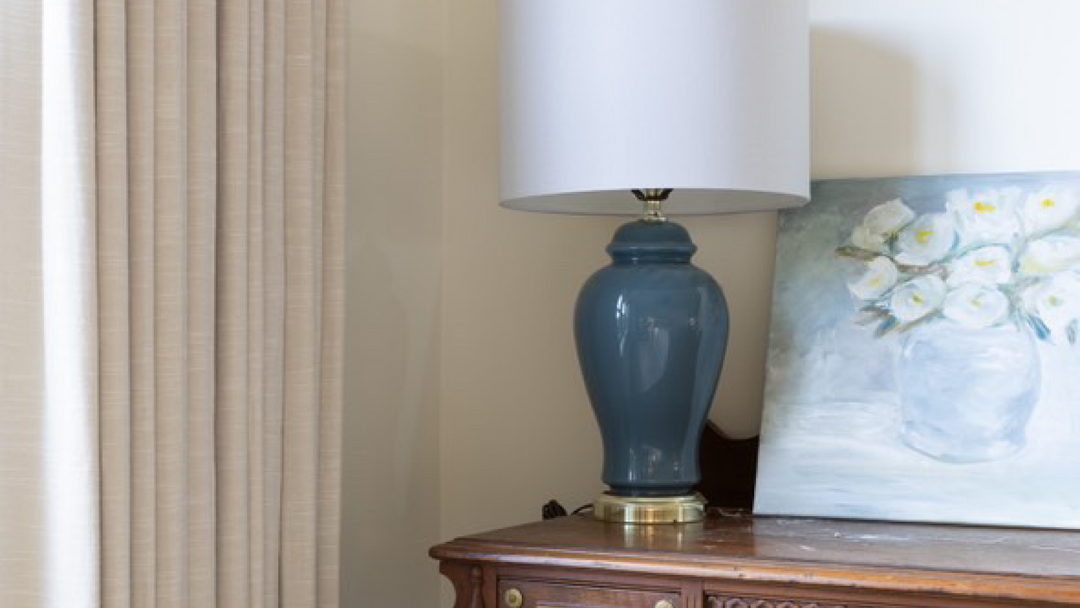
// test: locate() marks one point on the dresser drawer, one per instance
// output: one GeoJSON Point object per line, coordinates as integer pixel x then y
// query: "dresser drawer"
{"type": "Point", "coordinates": [533, 594]}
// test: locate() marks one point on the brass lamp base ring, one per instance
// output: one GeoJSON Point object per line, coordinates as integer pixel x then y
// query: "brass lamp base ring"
{"type": "Point", "coordinates": [652, 510]}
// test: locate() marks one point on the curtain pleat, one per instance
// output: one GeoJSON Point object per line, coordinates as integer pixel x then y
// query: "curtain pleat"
{"type": "Point", "coordinates": [221, 293]}
{"type": "Point", "coordinates": [274, 260]}
{"type": "Point", "coordinates": [140, 59]}
{"type": "Point", "coordinates": [115, 315]}
{"type": "Point", "coordinates": [298, 535]}
{"type": "Point", "coordinates": [254, 529]}
{"type": "Point", "coordinates": [22, 471]}
{"type": "Point", "coordinates": [233, 329]}
{"type": "Point", "coordinates": [333, 310]}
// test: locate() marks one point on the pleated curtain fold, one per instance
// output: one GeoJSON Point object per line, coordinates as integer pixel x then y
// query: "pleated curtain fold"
{"type": "Point", "coordinates": [216, 256]}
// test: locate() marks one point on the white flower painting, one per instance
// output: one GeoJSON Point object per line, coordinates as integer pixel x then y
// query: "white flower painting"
{"type": "Point", "coordinates": [990, 265]}
{"type": "Point", "coordinates": [926, 240]}
{"type": "Point", "coordinates": [916, 299]}
{"type": "Point", "coordinates": [924, 352]}
{"type": "Point", "coordinates": [1049, 208]}
{"type": "Point", "coordinates": [985, 216]}
{"type": "Point", "coordinates": [878, 278]}
{"type": "Point", "coordinates": [980, 263]}
{"type": "Point", "coordinates": [1055, 302]}
{"type": "Point", "coordinates": [976, 306]}
{"type": "Point", "coordinates": [881, 225]}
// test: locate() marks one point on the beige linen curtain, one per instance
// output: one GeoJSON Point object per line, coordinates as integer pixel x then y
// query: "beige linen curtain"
{"type": "Point", "coordinates": [208, 253]}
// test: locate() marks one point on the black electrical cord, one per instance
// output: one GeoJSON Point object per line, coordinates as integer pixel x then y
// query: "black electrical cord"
{"type": "Point", "coordinates": [552, 509]}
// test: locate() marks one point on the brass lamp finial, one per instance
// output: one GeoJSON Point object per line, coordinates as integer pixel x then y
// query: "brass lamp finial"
{"type": "Point", "coordinates": [652, 197]}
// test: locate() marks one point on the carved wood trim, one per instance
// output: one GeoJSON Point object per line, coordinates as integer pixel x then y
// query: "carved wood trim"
{"type": "Point", "coordinates": [476, 580]}
{"type": "Point", "coordinates": [468, 581]}
{"type": "Point", "coordinates": [739, 602]}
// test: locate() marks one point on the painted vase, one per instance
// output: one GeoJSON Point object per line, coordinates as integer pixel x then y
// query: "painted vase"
{"type": "Point", "coordinates": [966, 395]}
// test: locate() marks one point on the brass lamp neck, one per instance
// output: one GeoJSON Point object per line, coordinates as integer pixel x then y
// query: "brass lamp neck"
{"type": "Point", "coordinates": [652, 197]}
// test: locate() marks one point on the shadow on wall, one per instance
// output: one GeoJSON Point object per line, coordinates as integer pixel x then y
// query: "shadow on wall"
{"type": "Point", "coordinates": [865, 119]}
{"type": "Point", "coordinates": [390, 487]}
{"type": "Point", "coordinates": [865, 107]}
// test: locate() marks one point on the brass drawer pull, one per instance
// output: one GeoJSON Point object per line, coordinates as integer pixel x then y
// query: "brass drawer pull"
{"type": "Point", "coordinates": [664, 604]}
{"type": "Point", "coordinates": [513, 598]}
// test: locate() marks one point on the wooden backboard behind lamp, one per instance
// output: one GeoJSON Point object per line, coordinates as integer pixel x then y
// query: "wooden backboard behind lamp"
{"type": "Point", "coordinates": [728, 469]}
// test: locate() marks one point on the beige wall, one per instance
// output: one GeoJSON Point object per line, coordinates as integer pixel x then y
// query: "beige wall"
{"type": "Point", "coordinates": [906, 87]}
{"type": "Point", "coordinates": [900, 87]}
{"type": "Point", "coordinates": [391, 424]}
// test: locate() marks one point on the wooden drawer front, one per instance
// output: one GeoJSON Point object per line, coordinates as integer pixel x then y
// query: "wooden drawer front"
{"type": "Point", "coordinates": [548, 595]}
{"type": "Point", "coordinates": [717, 601]}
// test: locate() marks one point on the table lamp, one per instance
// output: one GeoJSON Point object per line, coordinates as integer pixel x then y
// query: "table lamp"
{"type": "Point", "coordinates": [651, 108]}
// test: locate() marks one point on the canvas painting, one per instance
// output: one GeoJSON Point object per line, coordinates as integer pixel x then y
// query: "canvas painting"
{"type": "Point", "coordinates": [924, 353]}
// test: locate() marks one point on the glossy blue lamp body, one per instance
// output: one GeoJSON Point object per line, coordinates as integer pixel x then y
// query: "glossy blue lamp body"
{"type": "Point", "coordinates": [651, 330]}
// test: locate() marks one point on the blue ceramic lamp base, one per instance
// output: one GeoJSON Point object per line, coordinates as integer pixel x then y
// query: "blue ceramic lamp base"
{"type": "Point", "coordinates": [651, 331]}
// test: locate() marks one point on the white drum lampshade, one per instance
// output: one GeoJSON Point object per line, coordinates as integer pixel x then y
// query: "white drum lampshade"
{"type": "Point", "coordinates": [707, 97]}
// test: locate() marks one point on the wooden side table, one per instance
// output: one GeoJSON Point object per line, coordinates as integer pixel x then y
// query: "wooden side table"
{"type": "Point", "coordinates": [745, 562]}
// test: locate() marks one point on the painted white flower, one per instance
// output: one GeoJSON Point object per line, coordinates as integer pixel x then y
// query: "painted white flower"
{"type": "Point", "coordinates": [975, 305]}
{"type": "Point", "coordinates": [879, 276]}
{"type": "Point", "coordinates": [1050, 255]}
{"type": "Point", "coordinates": [1055, 301]}
{"type": "Point", "coordinates": [990, 265]}
{"type": "Point", "coordinates": [926, 240]}
{"type": "Point", "coordinates": [1049, 209]}
{"type": "Point", "coordinates": [988, 217]}
{"type": "Point", "coordinates": [917, 298]}
{"type": "Point", "coordinates": [880, 224]}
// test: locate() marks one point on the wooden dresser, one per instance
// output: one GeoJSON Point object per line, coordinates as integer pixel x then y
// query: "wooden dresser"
{"type": "Point", "coordinates": [739, 561]}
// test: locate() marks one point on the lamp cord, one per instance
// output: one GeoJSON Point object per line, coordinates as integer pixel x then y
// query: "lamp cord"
{"type": "Point", "coordinates": [552, 510]}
